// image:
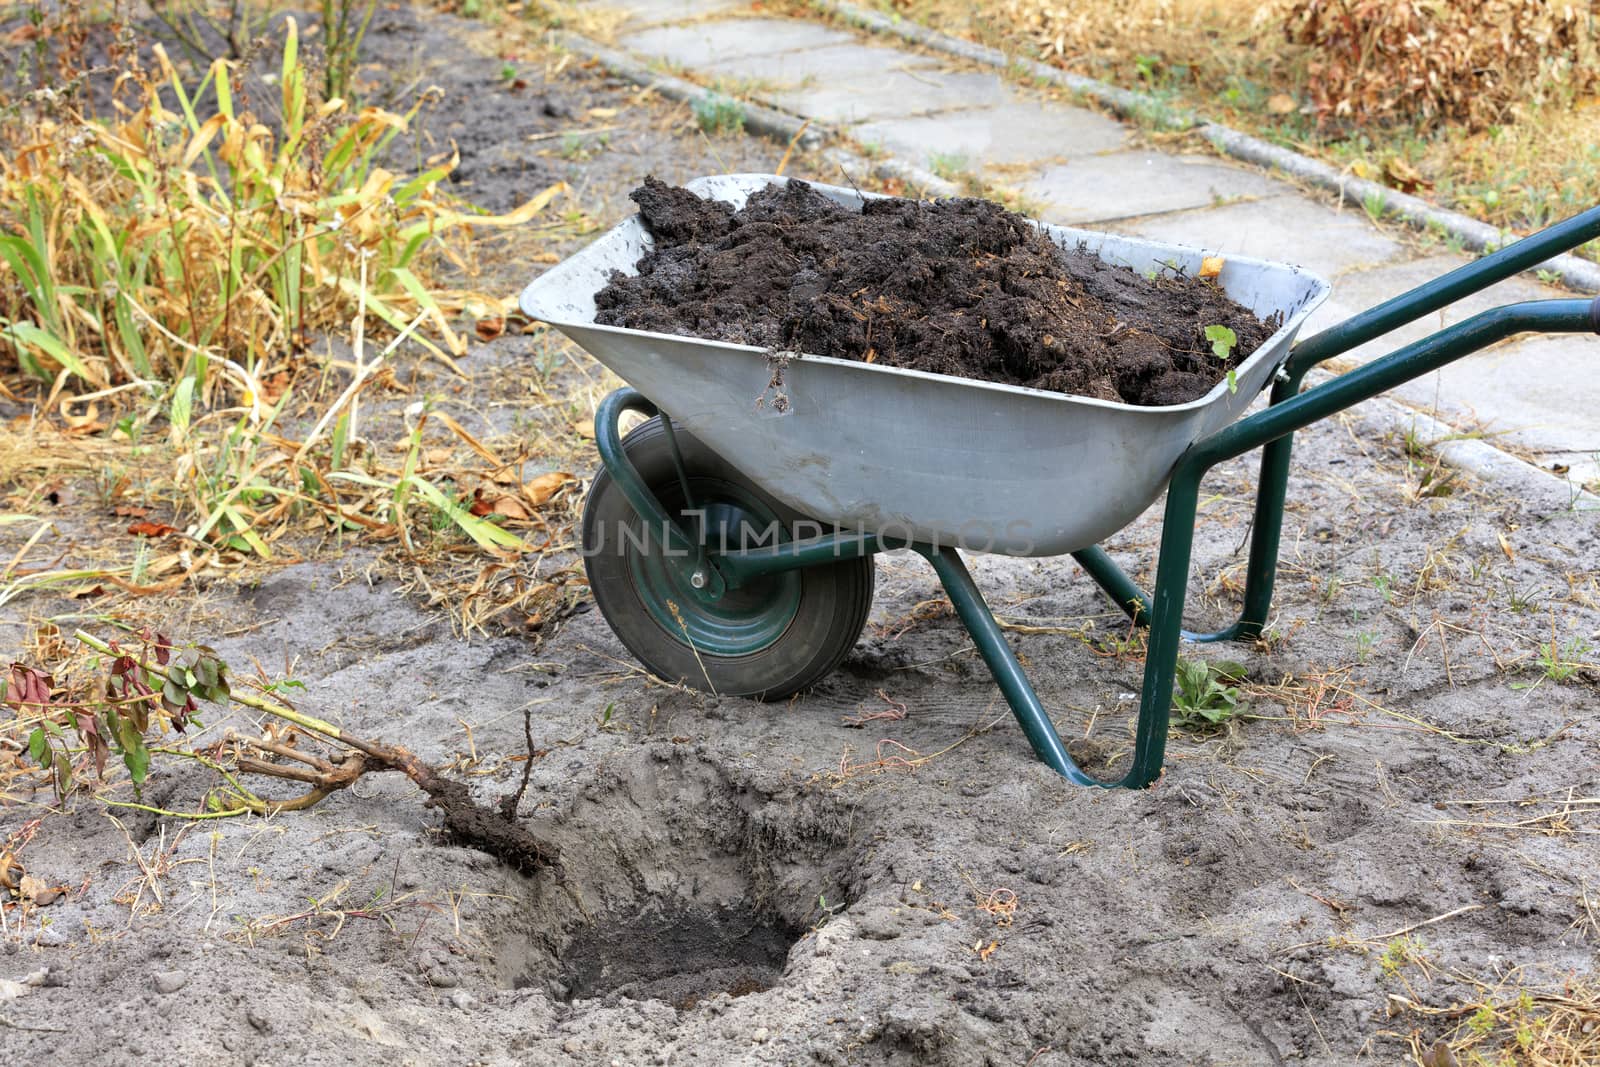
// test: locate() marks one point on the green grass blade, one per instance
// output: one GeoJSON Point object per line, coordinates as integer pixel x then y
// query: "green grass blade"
{"type": "Point", "coordinates": [484, 532]}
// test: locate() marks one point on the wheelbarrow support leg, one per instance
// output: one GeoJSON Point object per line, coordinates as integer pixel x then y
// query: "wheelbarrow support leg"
{"type": "Point", "coordinates": [1008, 674]}
{"type": "Point", "coordinates": [1160, 661]}
{"type": "Point", "coordinates": [1123, 590]}
{"type": "Point", "coordinates": [1267, 428]}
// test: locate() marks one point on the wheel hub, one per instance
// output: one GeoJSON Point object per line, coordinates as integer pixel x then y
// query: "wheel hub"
{"type": "Point", "coordinates": [677, 590]}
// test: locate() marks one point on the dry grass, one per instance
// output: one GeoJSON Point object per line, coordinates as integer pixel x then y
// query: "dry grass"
{"type": "Point", "coordinates": [1507, 1024]}
{"type": "Point", "coordinates": [1429, 98]}
{"type": "Point", "coordinates": [169, 277]}
{"type": "Point", "coordinates": [203, 246]}
{"type": "Point", "coordinates": [1468, 63]}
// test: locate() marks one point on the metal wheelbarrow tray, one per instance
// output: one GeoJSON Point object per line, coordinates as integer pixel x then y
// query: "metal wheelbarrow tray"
{"type": "Point", "coordinates": [732, 543]}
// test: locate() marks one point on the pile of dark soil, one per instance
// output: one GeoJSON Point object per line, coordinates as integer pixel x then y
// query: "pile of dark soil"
{"type": "Point", "coordinates": [958, 286]}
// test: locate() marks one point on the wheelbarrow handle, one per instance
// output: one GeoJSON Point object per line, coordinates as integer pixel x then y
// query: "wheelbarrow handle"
{"type": "Point", "coordinates": [1371, 324]}
{"type": "Point", "coordinates": [1414, 360]}
{"type": "Point", "coordinates": [1271, 427]}
{"type": "Point", "coordinates": [1443, 291]}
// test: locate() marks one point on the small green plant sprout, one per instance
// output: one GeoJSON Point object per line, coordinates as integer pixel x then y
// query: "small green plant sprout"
{"type": "Point", "coordinates": [1149, 68]}
{"type": "Point", "coordinates": [1375, 204]}
{"type": "Point", "coordinates": [1549, 277]}
{"type": "Point", "coordinates": [1483, 1020]}
{"type": "Point", "coordinates": [1401, 952]}
{"type": "Point", "coordinates": [1202, 702]}
{"type": "Point", "coordinates": [1521, 601]}
{"type": "Point", "coordinates": [1559, 662]}
{"type": "Point", "coordinates": [508, 73]}
{"type": "Point", "coordinates": [825, 912]}
{"type": "Point", "coordinates": [1223, 340]}
{"type": "Point", "coordinates": [718, 114]}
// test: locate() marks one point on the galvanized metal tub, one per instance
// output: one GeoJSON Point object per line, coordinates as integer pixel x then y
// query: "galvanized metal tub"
{"type": "Point", "coordinates": [907, 454]}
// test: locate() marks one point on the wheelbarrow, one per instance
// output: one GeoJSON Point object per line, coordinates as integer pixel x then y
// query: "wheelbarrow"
{"type": "Point", "coordinates": [728, 539]}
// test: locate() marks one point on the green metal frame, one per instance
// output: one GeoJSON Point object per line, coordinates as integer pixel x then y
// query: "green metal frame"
{"type": "Point", "coordinates": [1271, 430]}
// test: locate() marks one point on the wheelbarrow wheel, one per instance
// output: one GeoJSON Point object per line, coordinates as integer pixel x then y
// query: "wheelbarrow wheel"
{"type": "Point", "coordinates": [767, 639]}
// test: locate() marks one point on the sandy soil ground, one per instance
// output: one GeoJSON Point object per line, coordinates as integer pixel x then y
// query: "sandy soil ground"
{"type": "Point", "coordinates": [1404, 822]}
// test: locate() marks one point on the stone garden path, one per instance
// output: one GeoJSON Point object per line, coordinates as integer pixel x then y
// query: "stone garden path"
{"type": "Point", "coordinates": [1537, 396]}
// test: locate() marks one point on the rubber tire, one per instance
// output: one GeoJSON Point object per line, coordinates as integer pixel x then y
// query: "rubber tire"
{"type": "Point", "coordinates": [835, 598]}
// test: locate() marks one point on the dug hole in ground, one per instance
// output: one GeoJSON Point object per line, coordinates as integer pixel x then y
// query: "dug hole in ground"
{"type": "Point", "coordinates": [1386, 843]}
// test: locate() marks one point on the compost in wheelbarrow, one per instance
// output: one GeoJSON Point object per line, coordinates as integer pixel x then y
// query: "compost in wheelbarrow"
{"type": "Point", "coordinates": [960, 287]}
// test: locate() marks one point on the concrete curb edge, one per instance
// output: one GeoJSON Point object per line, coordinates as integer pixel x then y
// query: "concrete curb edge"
{"type": "Point", "coordinates": [1476, 457]}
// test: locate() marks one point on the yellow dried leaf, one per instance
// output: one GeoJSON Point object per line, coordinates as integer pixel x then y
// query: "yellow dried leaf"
{"type": "Point", "coordinates": [10, 870]}
{"type": "Point", "coordinates": [376, 187]}
{"type": "Point", "coordinates": [1404, 175]}
{"type": "Point", "coordinates": [508, 507]}
{"type": "Point", "coordinates": [546, 486]}
{"type": "Point", "coordinates": [1211, 266]}
{"type": "Point", "coordinates": [202, 138]}
{"type": "Point", "coordinates": [1281, 104]}
{"type": "Point", "coordinates": [472, 442]}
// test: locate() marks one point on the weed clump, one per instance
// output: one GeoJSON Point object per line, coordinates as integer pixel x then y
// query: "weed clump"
{"type": "Point", "coordinates": [203, 244]}
{"type": "Point", "coordinates": [718, 114]}
{"type": "Point", "coordinates": [1202, 699]}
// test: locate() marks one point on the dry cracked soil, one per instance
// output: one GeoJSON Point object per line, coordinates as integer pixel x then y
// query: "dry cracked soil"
{"type": "Point", "coordinates": [878, 871]}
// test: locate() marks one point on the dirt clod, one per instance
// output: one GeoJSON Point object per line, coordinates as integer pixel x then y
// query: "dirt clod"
{"type": "Point", "coordinates": [958, 286]}
{"type": "Point", "coordinates": [469, 823]}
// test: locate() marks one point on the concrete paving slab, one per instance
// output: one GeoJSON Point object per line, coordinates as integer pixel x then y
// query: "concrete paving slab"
{"type": "Point", "coordinates": [1289, 228]}
{"type": "Point", "coordinates": [703, 43]}
{"type": "Point", "coordinates": [1542, 388]}
{"type": "Point", "coordinates": [655, 12]}
{"type": "Point", "coordinates": [1016, 131]}
{"type": "Point", "coordinates": [1357, 290]}
{"type": "Point", "coordinates": [898, 92]}
{"type": "Point", "coordinates": [1124, 185]}
{"type": "Point", "coordinates": [1536, 395]}
{"type": "Point", "coordinates": [819, 67]}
